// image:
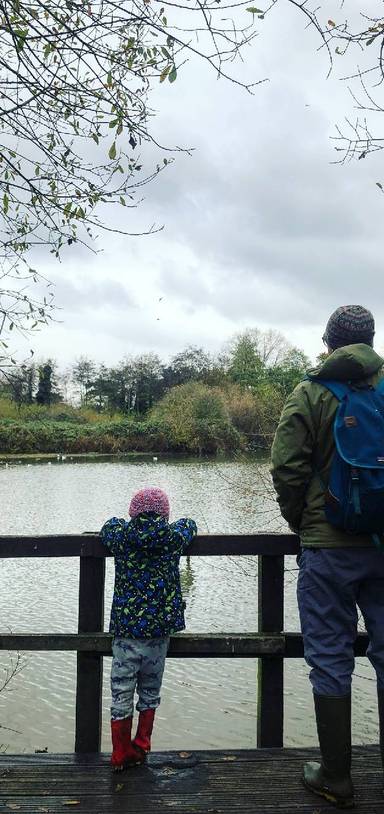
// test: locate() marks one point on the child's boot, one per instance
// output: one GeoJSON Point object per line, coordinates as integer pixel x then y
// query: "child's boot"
{"type": "Point", "coordinates": [124, 753]}
{"type": "Point", "coordinates": [142, 741]}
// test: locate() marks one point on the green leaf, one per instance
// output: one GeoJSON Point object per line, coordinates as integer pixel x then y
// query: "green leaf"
{"type": "Point", "coordinates": [95, 138]}
{"type": "Point", "coordinates": [122, 201]}
{"type": "Point", "coordinates": [173, 75]}
{"type": "Point", "coordinates": [37, 170]}
{"type": "Point", "coordinates": [112, 151]}
{"type": "Point", "coordinates": [113, 123]}
{"type": "Point", "coordinates": [254, 10]}
{"type": "Point", "coordinates": [5, 203]}
{"type": "Point", "coordinates": [165, 73]}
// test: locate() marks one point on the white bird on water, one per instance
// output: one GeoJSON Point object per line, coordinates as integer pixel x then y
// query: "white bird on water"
{"type": "Point", "coordinates": [154, 458]}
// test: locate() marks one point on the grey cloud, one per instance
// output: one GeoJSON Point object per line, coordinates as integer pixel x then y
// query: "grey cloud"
{"type": "Point", "coordinates": [87, 295]}
{"type": "Point", "coordinates": [259, 227]}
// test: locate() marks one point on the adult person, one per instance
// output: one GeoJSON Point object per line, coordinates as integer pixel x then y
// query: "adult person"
{"type": "Point", "coordinates": [338, 572]}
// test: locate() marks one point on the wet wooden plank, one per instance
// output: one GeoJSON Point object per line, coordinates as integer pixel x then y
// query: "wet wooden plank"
{"type": "Point", "coordinates": [89, 545]}
{"type": "Point", "coordinates": [250, 782]}
{"type": "Point", "coordinates": [195, 645]}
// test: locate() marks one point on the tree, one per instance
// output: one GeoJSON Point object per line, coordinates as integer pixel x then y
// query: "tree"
{"type": "Point", "coordinates": [75, 79]}
{"type": "Point", "coordinates": [78, 73]}
{"type": "Point", "coordinates": [356, 33]}
{"type": "Point", "coordinates": [83, 374]}
{"type": "Point", "coordinates": [21, 383]}
{"type": "Point", "coordinates": [148, 381]}
{"type": "Point", "coordinates": [46, 392]}
{"type": "Point", "coordinates": [289, 371]}
{"type": "Point", "coordinates": [20, 311]}
{"type": "Point", "coordinates": [191, 364]}
{"type": "Point", "coordinates": [245, 365]}
{"type": "Point", "coordinates": [250, 352]}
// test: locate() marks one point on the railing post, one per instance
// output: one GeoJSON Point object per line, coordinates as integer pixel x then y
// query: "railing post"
{"type": "Point", "coordinates": [90, 665]}
{"type": "Point", "coordinates": [270, 706]}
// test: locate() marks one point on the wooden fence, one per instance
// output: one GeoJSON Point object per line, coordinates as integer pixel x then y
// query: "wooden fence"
{"type": "Point", "coordinates": [270, 644]}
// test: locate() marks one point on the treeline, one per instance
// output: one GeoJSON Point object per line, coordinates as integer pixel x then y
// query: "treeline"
{"type": "Point", "coordinates": [194, 403]}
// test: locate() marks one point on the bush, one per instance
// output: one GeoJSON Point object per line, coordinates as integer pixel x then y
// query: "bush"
{"type": "Point", "coordinates": [195, 418]}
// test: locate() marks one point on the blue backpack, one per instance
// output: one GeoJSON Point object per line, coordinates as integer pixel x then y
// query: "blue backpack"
{"type": "Point", "coordinates": [354, 499]}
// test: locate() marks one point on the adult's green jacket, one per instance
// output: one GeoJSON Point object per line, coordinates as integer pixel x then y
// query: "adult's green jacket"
{"type": "Point", "coordinates": [303, 447]}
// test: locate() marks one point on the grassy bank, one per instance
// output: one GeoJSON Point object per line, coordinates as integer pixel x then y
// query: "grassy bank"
{"type": "Point", "coordinates": [50, 436]}
{"type": "Point", "coordinates": [191, 418]}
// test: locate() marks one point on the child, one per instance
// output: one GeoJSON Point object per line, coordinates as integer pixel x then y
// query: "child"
{"type": "Point", "coordinates": [147, 607]}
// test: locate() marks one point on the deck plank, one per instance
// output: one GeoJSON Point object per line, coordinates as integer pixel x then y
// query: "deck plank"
{"type": "Point", "coordinates": [251, 782]}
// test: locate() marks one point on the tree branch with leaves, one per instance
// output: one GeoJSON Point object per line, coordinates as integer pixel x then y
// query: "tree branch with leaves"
{"type": "Point", "coordinates": [75, 79]}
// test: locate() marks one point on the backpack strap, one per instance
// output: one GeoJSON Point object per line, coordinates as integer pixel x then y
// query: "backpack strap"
{"type": "Point", "coordinates": [380, 387]}
{"type": "Point", "coordinates": [341, 389]}
{"type": "Point", "coordinates": [338, 389]}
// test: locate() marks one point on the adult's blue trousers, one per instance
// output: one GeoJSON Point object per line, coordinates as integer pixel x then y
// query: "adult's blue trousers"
{"type": "Point", "coordinates": [333, 585]}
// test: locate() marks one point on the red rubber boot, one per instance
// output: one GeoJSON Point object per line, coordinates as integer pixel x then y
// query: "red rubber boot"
{"type": "Point", "coordinates": [142, 740]}
{"type": "Point", "coordinates": [124, 753]}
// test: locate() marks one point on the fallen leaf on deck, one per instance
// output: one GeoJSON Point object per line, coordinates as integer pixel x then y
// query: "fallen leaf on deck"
{"type": "Point", "coordinates": [230, 757]}
{"type": "Point", "coordinates": [119, 786]}
{"type": "Point", "coordinates": [13, 806]}
{"type": "Point", "coordinates": [185, 754]}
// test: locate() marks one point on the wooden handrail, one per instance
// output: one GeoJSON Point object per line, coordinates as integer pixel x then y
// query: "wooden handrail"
{"type": "Point", "coordinates": [204, 545]}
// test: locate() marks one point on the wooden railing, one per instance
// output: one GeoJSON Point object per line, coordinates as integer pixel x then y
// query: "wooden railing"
{"type": "Point", "coordinates": [270, 644]}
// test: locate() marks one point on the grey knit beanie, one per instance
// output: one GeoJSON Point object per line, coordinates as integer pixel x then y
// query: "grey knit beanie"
{"type": "Point", "coordinates": [349, 325]}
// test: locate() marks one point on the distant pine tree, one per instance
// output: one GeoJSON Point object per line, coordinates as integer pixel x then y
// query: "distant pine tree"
{"type": "Point", "coordinates": [44, 391]}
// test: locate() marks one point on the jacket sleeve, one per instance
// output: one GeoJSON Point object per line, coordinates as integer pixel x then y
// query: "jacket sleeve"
{"type": "Point", "coordinates": [183, 532]}
{"type": "Point", "coordinates": [292, 452]}
{"type": "Point", "coordinates": [114, 535]}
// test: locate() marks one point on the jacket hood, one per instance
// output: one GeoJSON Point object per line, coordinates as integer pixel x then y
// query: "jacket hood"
{"type": "Point", "coordinates": [352, 362]}
{"type": "Point", "coordinates": [148, 531]}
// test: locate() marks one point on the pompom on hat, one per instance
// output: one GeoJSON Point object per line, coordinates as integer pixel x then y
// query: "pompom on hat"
{"type": "Point", "coordinates": [150, 499]}
{"type": "Point", "coordinates": [349, 325]}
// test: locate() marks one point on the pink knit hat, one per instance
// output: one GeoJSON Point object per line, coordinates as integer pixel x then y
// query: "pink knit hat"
{"type": "Point", "coordinates": [150, 499]}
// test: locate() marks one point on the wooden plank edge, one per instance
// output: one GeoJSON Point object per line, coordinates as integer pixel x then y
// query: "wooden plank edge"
{"type": "Point", "coordinates": [192, 645]}
{"type": "Point", "coordinates": [205, 545]}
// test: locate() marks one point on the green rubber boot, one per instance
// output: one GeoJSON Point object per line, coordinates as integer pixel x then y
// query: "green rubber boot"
{"type": "Point", "coordinates": [380, 699]}
{"type": "Point", "coordinates": [331, 778]}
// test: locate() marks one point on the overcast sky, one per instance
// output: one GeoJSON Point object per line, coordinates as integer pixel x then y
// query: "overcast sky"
{"type": "Point", "coordinates": [260, 229]}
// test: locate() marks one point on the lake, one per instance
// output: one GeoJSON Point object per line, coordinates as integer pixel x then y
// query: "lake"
{"type": "Point", "coordinates": [206, 703]}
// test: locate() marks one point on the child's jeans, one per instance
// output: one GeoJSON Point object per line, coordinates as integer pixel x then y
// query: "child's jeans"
{"type": "Point", "coordinates": [137, 664]}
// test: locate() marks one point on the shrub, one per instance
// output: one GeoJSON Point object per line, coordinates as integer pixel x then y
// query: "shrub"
{"type": "Point", "coordinates": [195, 418]}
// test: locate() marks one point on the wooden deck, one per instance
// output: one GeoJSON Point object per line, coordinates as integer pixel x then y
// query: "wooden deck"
{"type": "Point", "coordinates": [250, 782]}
